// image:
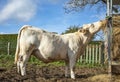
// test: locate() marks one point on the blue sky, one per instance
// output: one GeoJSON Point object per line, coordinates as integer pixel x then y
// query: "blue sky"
{"type": "Point", "coordinates": [45, 14]}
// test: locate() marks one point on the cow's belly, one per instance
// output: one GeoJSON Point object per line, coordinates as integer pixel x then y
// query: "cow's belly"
{"type": "Point", "coordinates": [53, 53]}
{"type": "Point", "coordinates": [49, 55]}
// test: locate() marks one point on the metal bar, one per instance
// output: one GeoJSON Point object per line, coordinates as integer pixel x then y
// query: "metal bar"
{"type": "Point", "coordinates": [108, 9]}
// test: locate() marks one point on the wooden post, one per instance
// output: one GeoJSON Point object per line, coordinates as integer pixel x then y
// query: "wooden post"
{"type": "Point", "coordinates": [87, 52]}
{"type": "Point", "coordinates": [93, 54]}
{"type": "Point", "coordinates": [96, 53]}
{"type": "Point", "coordinates": [90, 53]}
{"type": "Point", "coordinates": [102, 53]}
{"type": "Point", "coordinates": [99, 53]}
{"type": "Point", "coordinates": [109, 34]}
{"type": "Point", "coordinates": [8, 48]}
{"type": "Point", "coordinates": [81, 59]}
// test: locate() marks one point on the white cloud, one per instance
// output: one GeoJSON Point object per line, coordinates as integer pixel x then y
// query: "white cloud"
{"type": "Point", "coordinates": [22, 10]}
{"type": "Point", "coordinates": [2, 33]}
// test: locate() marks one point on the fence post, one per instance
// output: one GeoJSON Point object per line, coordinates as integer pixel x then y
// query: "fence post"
{"type": "Point", "coordinates": [102, 54]}
{"type": "Point", "coordinates": [90, 53]}
{"type": "Point", "coordinates": [96, 53]}
{"type": "Point", "coordinates": [93, 54]}
{"type": "Point", "coordinates": [86, 54]}
{"type": "Point", "coordinates": [8, 48]}
{"type": "Point", "coordinates": [99, 53]}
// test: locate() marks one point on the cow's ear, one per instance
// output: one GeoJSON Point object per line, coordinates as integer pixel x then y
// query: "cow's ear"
{"type": "Point", "coordinates": [80, 30]}
{"type": "Point", "coordinates": [84, 31]}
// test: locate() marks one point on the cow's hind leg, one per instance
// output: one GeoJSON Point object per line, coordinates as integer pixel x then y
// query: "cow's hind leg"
{"type": "Point", "coordinates": [18, 66]}
{"type": "Point", "coordinates": [22, 60]}
{"type": "Point", "coordinates": [24, 55]}
{"type": "Point", "coordinates": [22, 64]}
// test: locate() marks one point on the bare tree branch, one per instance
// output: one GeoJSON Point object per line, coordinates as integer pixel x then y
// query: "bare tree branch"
{"type": "Point", "coordinates": [78, 5]}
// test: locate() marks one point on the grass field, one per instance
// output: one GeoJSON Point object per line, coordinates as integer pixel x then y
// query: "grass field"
{"type": "Point", "coordinates": [7, 61]}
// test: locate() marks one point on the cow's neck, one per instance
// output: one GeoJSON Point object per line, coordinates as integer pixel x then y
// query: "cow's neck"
{"type": "Point", "coordinates": [87, 38]}
{"type": "Point", "coordinates": [97, 29]}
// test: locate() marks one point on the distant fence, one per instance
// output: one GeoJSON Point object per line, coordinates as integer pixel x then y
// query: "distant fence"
{"type": "Point", "coordinates": [93, 54]}
{"type": "Point", "coordinates": [7, 48]}
{"type": "Point", "coordinates": [8, 44]}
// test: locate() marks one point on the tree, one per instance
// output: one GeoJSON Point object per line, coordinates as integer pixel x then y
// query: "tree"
{"type": "Point", "coordinates": [74, 28]}
{"type": "Point", "coordinates": [71, 29]}
{"type": "Point", "coordinates": [76, 5]}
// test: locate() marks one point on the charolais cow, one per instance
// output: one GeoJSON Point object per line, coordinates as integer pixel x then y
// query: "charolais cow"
{"type": "Point", "coordinates": [49, 47]}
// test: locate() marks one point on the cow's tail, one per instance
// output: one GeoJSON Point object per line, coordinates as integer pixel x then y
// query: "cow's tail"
{"type": "Point", "coordinates": [18, 43]}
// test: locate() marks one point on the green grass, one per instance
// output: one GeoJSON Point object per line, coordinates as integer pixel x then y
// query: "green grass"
{"type": "Point", "coordinates": [7, 61]}
{"type": "Point", "coordinates": [35, 61]}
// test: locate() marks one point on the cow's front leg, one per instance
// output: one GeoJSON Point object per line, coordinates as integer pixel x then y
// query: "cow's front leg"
{"type": "Point", "coordinates": [66, 69]}
{"type": "Point", "coordinates": [18, 66]}
{"type": "Point", "coordinates": [72, 66]}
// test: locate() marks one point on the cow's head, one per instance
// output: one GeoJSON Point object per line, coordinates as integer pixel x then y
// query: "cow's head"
{"type": "Point", "coordinates": [96, 26]}
{"type": "Point", "coordinates": [84, 31]}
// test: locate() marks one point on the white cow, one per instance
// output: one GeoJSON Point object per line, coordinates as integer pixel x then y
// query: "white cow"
{"type": "Point", "coordinates": [49, 47]}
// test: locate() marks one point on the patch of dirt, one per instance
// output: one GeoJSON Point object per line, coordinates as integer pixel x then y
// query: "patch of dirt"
{"type": "Point", "coordinates": [56, 74]}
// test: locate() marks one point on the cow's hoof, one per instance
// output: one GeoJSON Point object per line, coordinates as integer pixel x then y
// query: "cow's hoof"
{"type": "Point", "coordinates": [23, 74]}
{"type": "Point", "coordinates": [72, 77]}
